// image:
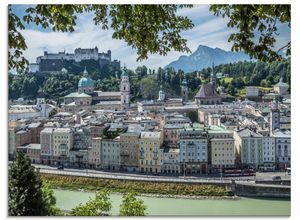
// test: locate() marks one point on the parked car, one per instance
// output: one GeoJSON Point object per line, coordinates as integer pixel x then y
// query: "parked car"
{"type": "Point", "coordinates": [276, 178]}
{"type": "Point", "coordinates": [60, 167]}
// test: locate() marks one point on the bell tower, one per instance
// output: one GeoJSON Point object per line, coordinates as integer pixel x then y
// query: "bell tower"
{"type": "Point", "coordinates": [184, 89]}
{"type": "Point", "coordinates": [125, 89]}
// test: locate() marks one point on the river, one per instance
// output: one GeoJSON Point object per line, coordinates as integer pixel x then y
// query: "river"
{"type": "Point", "coordinates": [168, 206]}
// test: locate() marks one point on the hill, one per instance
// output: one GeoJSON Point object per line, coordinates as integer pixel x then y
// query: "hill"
{"type": "Point", "coordinates": [204, 56]}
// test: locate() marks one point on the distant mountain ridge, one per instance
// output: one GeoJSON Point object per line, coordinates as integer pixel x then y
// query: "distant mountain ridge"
{"type": "Point", "coordinates": [204, 56]}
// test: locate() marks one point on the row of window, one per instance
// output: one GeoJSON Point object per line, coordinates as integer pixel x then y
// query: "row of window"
{"type": "Point", "coordinates": [151, 162]}
{"type": "Point", "coordinates": [223, 155]}
{"type": "Point", "coordinates": [192, 154]}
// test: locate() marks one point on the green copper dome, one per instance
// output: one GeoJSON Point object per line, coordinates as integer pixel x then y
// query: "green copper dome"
{"type": "Point", "coordinates": [85, 82]}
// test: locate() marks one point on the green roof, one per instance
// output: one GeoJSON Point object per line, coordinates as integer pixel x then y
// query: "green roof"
{"type": "Point", "coordinates": [266, 110]}
{"type": "Point", "coordinates": [85, 82]}
{"type": "Point", "coordinates": [215, 128]}
{"type": "Point", "coordinates": [77, 95]}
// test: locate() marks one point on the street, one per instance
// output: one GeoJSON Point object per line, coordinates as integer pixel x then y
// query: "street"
{"type": "Point", "coordinates": [138, 176]}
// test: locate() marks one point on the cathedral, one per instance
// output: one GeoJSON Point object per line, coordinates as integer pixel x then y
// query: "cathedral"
{"type": "Point", "coordinates": [207, 94]}
{"type": "Point", "coordinates": [86, 98]}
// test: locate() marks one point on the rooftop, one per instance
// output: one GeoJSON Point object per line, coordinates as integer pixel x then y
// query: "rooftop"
{"type": "Point", "coordinates": [77, 95]}
{"type": "Point", "coordinates": [246, 132]}
{"type": "Point", "coordinates": [151, 134]}
{"type": "Point", "coordinates": [206, 91]}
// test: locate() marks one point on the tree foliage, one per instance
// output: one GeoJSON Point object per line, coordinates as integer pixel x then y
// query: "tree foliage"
{"type": "Point", "coordinates": [25, 195]}
{"type": "Point", "coordinates": [50, 200]}
{"type": "Point", "coordinates": [132, 206]}
{"type": "Point", "coordinates": [252, 19]}
{"type": "Point", "coordinates": [243, 74]}
{"type": "Point", "coordinates": [99, 206]}
{"type": "Point", "coordinates": [59, 84]}
{"type": "Point", "coordinates": [146, 28]}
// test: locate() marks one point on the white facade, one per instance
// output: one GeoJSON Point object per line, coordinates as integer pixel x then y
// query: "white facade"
{"type": "Point", "coordinates": [125, 90]}
{"type": "Point", "coordinates": [252, 91]}
{"type": "Point", "coordinates": [281, 87]}
{"type": "Point", "coordinates": [222, 152]}
{"type": "Point", "coordinates": [62, 142]}
{"type": "Point", "coordinates": [94, 153]}
{"type": "Point", "coordinates": [170, 161]}
{"type": "Point", "coordinates": [193, 150]}
{"type": "Point", "coordinates": [269, 150]}
{"type": "Point", "coordinates": [282, 147]}
{"type": "Point", "coordinates": [250, 147]}
{"type": "Point", "coordinates": [46, 141]}
{"type": "Point", "coordinates": [111, 159]}
{"type": "Point", "coordinates": [41, 109]}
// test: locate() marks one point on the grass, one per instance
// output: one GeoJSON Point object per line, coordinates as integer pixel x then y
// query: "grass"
{"type": "Point", "coordinates": [227, 79]}
{"type": "Point", "coordinates": [267, 89]}
{"type": "Point", "coordinates": [95, 184]}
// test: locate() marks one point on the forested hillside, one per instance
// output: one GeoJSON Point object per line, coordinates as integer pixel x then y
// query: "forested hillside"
{"type": "Point", "coordinates": [145, 82]}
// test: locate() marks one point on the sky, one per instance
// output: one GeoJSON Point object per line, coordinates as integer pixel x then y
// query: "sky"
{"type": "Point", "coordinates": [209, 30]}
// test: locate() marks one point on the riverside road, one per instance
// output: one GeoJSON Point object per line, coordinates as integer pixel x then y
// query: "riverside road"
{"type": "Point", "coordinates": [162, 178]}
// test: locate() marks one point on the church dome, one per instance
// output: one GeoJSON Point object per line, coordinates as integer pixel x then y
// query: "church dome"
{"type": "Point", "coordinates": [85, 82]}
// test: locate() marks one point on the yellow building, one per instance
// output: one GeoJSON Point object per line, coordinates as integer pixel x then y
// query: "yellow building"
{"type": "Point", "coordinates": [62, 143]}
{"type": "Point", "coordinates": [222, 152]}
{"type": "Point", "coordinates": [149, 147]}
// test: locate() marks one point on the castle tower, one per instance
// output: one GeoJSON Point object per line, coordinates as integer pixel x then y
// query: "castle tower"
{"type": "Point", "coordinates": [161, 94]}
{"type": "Point", "coordinates": [213, 77]}
{"type": "Point", "coordinates": [184, 89]}
{"type": "Point", "coordinates": [125, 89]}
{"type": "Point", "coordinates": [274, 115]}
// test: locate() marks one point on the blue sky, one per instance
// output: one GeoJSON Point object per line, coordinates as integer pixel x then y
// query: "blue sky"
{"type": "Point", "coordinates": [209, 30]}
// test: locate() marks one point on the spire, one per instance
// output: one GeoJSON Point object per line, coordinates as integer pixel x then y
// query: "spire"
{"type": "Point", "coordinates": [275, 103]}
{"type": "Point", "coordinates": [85, 72]}
{"type": "Point", "coordinates": [213, 79]}
{"type": "Point", "coordinates": [124, 72]}
{"type": "Point", "coordinates": [184, 82]}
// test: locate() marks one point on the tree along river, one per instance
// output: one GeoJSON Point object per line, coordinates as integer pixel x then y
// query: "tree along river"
{"type": "Point", "coordinates": [66, 200]}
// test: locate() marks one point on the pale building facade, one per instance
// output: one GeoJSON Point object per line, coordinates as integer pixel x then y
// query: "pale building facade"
{"type": "Point", "coordinates": [252, 91]}
{"type": "Point", "coordinates": [269, 150]}
{"type": "Point", "coordinates": [46, 139]}
{"type": "Point", "coordinates": [94, 153]}
{"type": "Point", "coordinates": [222, 152]}
{"type": "Point", "coordinates": [250, 145]}
{"type": "Point", "coordinates": [149, 146]}
{"type": "Point", "coordinates": [282, 148]}
{"type": "Point", "coordinates": [129, 151]}
{"type": "Point", "coordinates": [170, 160]}
{"type": "Point", "coordinates": [111, 159]}
{"type": "Point", "coordinates": [62, 143]}
{"type": "Point", "coordinates": [193, 151]}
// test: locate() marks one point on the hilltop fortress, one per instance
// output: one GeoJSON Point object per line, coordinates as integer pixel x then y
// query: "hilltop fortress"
{"type": "Point", "coordinates": [56, 61]}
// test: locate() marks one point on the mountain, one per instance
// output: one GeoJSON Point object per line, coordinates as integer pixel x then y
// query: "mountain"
{"type": "Point", "coordinates": [204, 56]}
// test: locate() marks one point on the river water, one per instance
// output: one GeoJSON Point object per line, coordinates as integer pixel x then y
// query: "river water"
{"type": "Point", "coordinates": [168, 206]}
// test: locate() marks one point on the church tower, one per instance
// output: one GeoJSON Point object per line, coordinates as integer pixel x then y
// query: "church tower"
{"type": "Point", "coordinates": [213, 77]}
{"type": "Point", "coordinates": [184, 89]}
{"type": "Point", "coordinates": [275, 115]}
{"type": "Point", "coordinates": [161, 94]}
{"type": "Point", "coordinates": [125, 89]}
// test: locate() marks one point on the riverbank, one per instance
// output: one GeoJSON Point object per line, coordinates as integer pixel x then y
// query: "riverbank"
{"type": "Point", "coordinates": [66, 200]}
{"type": "Point", "coordinates": [150, 189]}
